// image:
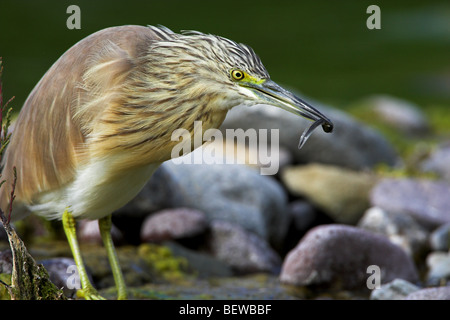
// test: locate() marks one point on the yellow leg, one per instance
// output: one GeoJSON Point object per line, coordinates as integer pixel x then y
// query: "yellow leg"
{"type": "Point", "coordinates": [87, 291]}
{"type": "Point", "coordinates": [105, 231]}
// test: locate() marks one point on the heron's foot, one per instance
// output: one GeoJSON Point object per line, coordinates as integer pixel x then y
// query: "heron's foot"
{"type": "Point", "coordinates": [89, 294]}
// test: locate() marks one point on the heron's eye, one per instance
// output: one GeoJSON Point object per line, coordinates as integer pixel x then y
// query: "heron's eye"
{"type": "Point", "coordinates": [237, 74]}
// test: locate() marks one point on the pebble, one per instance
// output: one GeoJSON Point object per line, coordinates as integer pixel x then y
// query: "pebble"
{"type": "Point", "coordinates": [243, 251]}
{"type": "Point", "coordinates": [172, 224]}
{"type": "Point", "coordinates": [341, 193]}
{"type": "Point", "coordinates": [441, 293]}
{"type": "Point", "coordinates": [426, 201]}
{"type": "Point", "coordinates": [400, 229]}
{"type": "Point", "coordinates": [351, 144]}
{"type": "Point", "coordinates": [397, 289]}
{"type": "Point", "coordinates": [438, 264]}
{"type": "Point", "coordinates": [400, 114]}
{"type": "Point", "coordinates": [89, 232]}
{"type": "Point", "coordinates": [439, 162]}
{"type": "Point", "coordinates": [338, 256]}
{"type": "Point", "coordinates": [64, 274]}
{"type": "Point", "coordinates": [440, 238]}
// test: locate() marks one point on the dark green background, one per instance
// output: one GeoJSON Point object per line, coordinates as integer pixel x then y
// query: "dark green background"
{"type": "Point", "coordinates": [320, 48]}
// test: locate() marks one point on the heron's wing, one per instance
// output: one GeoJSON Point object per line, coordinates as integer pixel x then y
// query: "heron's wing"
{"type": "Point", "coordinates": [49, 135]}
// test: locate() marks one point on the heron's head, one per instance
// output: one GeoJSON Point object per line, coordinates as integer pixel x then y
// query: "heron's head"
{"type": "Point", "coordinates": [217, 69]}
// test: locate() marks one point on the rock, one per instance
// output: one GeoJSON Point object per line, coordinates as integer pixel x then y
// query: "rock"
{"type": "Point", "coordinates": [6, 261]}
{"type": "Point", "coordinates": [426, 201]}
{"type": "Point", "coordinates": [173, 224]}
{"type": "Point", "coordinates": [352, 144]}
{"type": "Point", "coordinates": [64, 274]}
{"type": "Point", "coordinates": [439, 162]}
{"type": "Point", "coordinates": [401, 229]}
{"type": "Point", "coordinates": [342, 193]}
{"type": "Point", "coordinates": [440, 238]}
{"type": "Point", "coordinates": [234, 193]}
{"type": "Point", "coordinates": [243, 251]}
{"type": "Point", "coordinates": [441, 293]}
{"type": "Point", "coordinates": [438, 268]}
{"type": "Point", "coordinates": [204, 265]}
{"type": "Point", "coordinates": [338, 257]}
{"type": "Point", "coordinates": [399, 114]}
{"type": "Point", "coordinates": [89, 232]}
{"type": "Point", "coordinates": [394, 290]}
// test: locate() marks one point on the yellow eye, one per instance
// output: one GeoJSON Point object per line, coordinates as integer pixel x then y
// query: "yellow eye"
{"type": "Point", "coordinates": [237, 74]}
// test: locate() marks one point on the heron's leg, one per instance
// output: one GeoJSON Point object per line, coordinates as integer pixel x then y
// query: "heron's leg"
{"type": "Point", "coordinates": [87, 291]}
{"type": "Point", "coordinates": [105, 225]}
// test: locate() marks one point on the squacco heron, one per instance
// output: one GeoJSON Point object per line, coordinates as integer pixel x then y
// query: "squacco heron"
{"type": "Point", "coordinates": [99, 122]}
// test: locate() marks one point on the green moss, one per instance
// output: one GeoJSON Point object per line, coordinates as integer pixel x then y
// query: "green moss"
{"type": "Point", "coordinates": [163, 262]}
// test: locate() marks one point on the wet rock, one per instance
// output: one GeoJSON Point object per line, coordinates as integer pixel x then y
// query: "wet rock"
{"type": "Point", "coordinates": [440, 238]}
{"type": "Point", "coordinates": [343, 194]}
{"type": "Point", "coordinates": [426, 201]}
{"type": "Point", "coordinates": [441, 293]}
{"type": "Point", "coordinates": [6, 261]}
{"type": "Point", "coordinates": [64, 274]}
{"type": "Point", "coordinates": [173, 224]}
{"type": "Point", "coordinates": [89, 232]}
{"type": "Point", "coordinates": [243, 251]}
{"type": "Point", "coordinates": [399, 114]}
{"type": "Point", "coordinates": [401, 229]}
{"type": "Point", "coordinates": [337, 256]}
{"type": "Point", "coordinates": [352, 144]}
{"type": "Point", "coordinates": [394, 290]}
{"type": "Point", "coordinates": [234, 193]}
{"type": "Point", "coordinates": [438, 264]}
{"type": "Point", "coordinates": [439, 162]}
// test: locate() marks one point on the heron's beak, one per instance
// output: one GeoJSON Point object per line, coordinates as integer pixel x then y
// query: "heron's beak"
{"type": "Point", "coordinates": [271, 93]}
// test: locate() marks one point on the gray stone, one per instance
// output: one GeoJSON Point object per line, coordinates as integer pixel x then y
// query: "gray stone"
{"type": "Point", "coordinates": [234, 193]}
{"type": "Point", "coordinates": [338, 256]}
{"type": "Point", "coordinates": [394, 290]}
{"type": "Point", "coordinates": [173, 224]}
{"type": "Point", "coordinates": [441, 293]}
{"type": "Point", "coordinates": [242, 250]}
{"type": "Point", "coordinates": [425, 200]}
{"type": "Point", "coordinates": [341, 193]}
{"type": "Point", "coordinates": [438, 264]}
{"type": "Point", "coordinates": [401, 229]}
{"type": "Point", "coordinates": [440, 238]}
{"type": "Point", "coordinates": [399, 114]}
{"type": "Point", "coordinates": [439, 162]}
{"type": "Point", "coordinates": [351, 144]}
{"type": "Point", "coordinates": [64, 274]}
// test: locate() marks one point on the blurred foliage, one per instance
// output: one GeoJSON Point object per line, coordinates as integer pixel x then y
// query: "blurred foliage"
{"type": "Point", "coordinates": [322, 48]}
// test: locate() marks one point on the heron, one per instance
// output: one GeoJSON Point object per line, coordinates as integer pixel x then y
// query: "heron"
{"type": "Point", "coordinates": [99, 122]}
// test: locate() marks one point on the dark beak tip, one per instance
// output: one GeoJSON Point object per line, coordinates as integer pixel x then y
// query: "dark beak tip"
{"type": "Point", "coordinates": [327, 127]}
